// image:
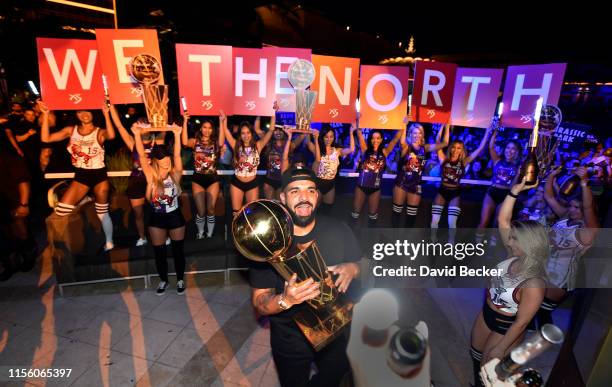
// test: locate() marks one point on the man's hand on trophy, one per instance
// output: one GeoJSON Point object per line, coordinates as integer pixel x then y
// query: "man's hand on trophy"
{"type": "Point", "coordinates": [105, 109]}
{"type": "Point", "coordinates": [296, 293]}
{"type": "Point", "coordinates": [346, 272]}
{"type": "Point", "coordinates": [186, 115]}
{"type": "Point", "coordinates": [222, 116]}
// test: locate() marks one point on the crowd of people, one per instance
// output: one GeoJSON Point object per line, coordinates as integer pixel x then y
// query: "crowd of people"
{"type": "Point", "coordinates": [541, 269]}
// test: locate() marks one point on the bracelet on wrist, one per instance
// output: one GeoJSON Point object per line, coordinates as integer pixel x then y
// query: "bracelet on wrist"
{"type": "Point", "coordinates": [513, 195]}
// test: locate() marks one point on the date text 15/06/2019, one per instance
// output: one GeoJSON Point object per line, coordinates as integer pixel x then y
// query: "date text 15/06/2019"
{"type": "Point", "coordinates": [426, 271]}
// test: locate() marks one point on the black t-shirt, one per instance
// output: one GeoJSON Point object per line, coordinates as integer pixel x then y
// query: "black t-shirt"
{"type": "Point", "coordinates": [31, 146]}
{"type": "Point", "coordinates": [337, 244]}
{"type": "Point", "coordinates": [12, 124]}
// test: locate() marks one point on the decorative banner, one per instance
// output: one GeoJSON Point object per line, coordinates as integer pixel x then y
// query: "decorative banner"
{"type": "Point", "coordinates": [204, 73]}
{"type": "Point", "coordinates": [253, 94]}
{"type": "Point", "coordinates": [70, 74]}
{"type": "Point", "coordinates": [432, 97]}
{"type": "Point", "coordinates": [475, 96]}
{"type": "Point", "coordinates": [277, 74]}
{"type": "Point", "coordinates": [524, 85]}
{"type": "Point", "coordinates": [572, 137]}
{"type": "Point", "coordinates": [117, 47]}
{"type": "Point", "coordinates": [384, 96]}
{"type": "Point", "coordinates": [336, 82]}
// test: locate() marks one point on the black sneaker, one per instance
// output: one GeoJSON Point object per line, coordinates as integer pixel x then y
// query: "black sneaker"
{"type": "Point", "coordinates": [180, 287]}
{"type": "Point", "coordinates": [161, 288]}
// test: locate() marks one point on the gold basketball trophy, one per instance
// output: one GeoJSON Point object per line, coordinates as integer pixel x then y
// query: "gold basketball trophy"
{"type": "Point", "coordinates": [147, 71]}
{"type": "Point", "coordinates": [263, 232]}
{"type": "Point", "coordinates": [301, 73]}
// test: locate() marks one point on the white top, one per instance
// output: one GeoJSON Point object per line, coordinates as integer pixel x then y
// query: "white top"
{"type": "Point", "coordinates": [248, 160]}
{"type": "Point", "coordinates": [85, 151]}
{"type": "Point", "coordinates": [566, 249]}
{"type": "Point", "coordinates": [504, 288]}
{"type": "Point", "coordinates": [168, 201]}
{"type": "Point", "coordinates": [328, 166]}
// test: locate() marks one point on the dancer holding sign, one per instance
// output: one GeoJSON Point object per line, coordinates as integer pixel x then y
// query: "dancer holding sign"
{"type": "Point", "coordinates": [137, 183]}
{"type": "Point", "coordinates": [207, 145]}
{"type": "Point", "coordinates": [454, 163]}
{"type": "Point", "coordinates": [163, 189]}
{"type": "Point", "coordinates": [410, 170]}
{"type": "Point", "coordinates": [86, 148]}
{"type": "Point", "coordinates": [371, 169]}
{"type": "Point", "coordinates": [244, 183]}
{"type": "Point", "coordinates": [327, 160]}
{"type": "Point", "coordinates": [505, 168]}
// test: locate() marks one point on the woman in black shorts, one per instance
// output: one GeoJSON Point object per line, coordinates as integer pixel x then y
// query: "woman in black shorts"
{"type": "Point", "coordinates": [371, 169]}
{"type": "Point", "coordinates": [513, 298]}
{"type": "Point", "coordinates": [244, 183]}
{"type": "Point", "coordinates": [86, 148]}
{"type": "Point", "coordinates": [163, 189]}
{"type": "Point", "coordinates": [505, 168]}
{"type": "Point", "coordinates": [205, 184]}
{"type": "Point", "coordinates": [137, 183]}
{"type": "Point", "coordinates": [327, 162]}
{"type": "Point", "coordinates": [454, 163]}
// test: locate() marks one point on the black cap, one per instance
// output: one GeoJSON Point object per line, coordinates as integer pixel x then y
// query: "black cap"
{"type": "Point", "coordinates": [295, 174]}
{"type": "Point", "coordinates": [160, 151]}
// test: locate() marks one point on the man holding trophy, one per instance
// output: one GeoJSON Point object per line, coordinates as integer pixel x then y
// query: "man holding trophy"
{"type": "Point", "coordinates": [281, 291]}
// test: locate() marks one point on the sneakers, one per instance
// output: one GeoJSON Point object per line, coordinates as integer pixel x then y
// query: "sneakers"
{"type": "Point", "coordinates": [161, 288]}
{"type": "Point", "coordinates": [180, 287]}
{"type": "Point", "coordinates": [200, 235]}
{"type": "Point", "coordinates": [108, 246]}
{"type": "Point", "coordinates": [141, 242]}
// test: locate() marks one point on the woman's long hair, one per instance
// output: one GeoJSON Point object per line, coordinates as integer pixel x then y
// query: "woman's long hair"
{"type": "Point", "coordinates": [416, 126]}
{"type": "Point", "coordinates": [324, 130]}
{"type": "Point", "coordinates": [533, 239]}
{"type": "Point", "coordinates": [239, 143]}
{"type": "Point", "coordinates": [463, 153]}
{"type": "Point", "coordinates": [382, 145]}
{"type": "Point", "coordinates": [519, 150]}
{"type": "Point", "coordinates": [157, 181]}
{"type": "Point", "coordinates": [213, 135]}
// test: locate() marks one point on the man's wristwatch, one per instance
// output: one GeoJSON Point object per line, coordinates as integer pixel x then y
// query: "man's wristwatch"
{"type": "Point", "coordinates": [281, 303]}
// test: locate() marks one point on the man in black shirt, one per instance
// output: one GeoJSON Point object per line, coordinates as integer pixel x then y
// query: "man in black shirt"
{"type": "Point", "coordinates": [273, 296]}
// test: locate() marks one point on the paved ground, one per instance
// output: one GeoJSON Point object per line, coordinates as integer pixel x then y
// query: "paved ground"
{"type": "Point", "coordinates": [120, 334]}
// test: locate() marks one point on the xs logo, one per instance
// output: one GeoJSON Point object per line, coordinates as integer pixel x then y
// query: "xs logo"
{"type": "Point", "coordinates": [284, 102]}
{"type": "Point", "coordinates": [75, 98]}
{"type": "Point", "coordinates": [431, 113]}
{"type": "Point", "coordinates": [207, 104]}
{"type": "Point", "coordinates": [250, 105]}
{"type": "Point", "coordinates": [137, 91]}
{"type": "Point", "coordinates": [383, 119]}
{"type": "Point", "coordinates": [333, 112]}
{"type": "Point", "coordinates": [526, 118]}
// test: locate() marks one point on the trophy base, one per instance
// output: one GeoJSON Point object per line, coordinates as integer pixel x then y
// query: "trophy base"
{"type": "Point", "coordinates": [321, 326]}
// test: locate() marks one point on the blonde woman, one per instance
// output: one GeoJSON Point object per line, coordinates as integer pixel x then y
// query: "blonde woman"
{"type": "Point", "coordinates": [163, 176]}
{"type": "Point", "coordinates": [453, 165]}
{"type": "Point", "coordinates": [513, 298]}
{"type": "Point", "coordinates": [407, 189]}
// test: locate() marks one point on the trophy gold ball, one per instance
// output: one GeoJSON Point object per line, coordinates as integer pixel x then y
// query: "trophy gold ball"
{"type": "Point", "coordinates": [262, 230]}
{"type": "Point", "coordinates": [301, 73]}
{"type": "Point", "coordinates": [145, 68]}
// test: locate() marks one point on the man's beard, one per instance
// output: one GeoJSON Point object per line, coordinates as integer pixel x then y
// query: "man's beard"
{"type": "Point", "coordinates": [302, 221]}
